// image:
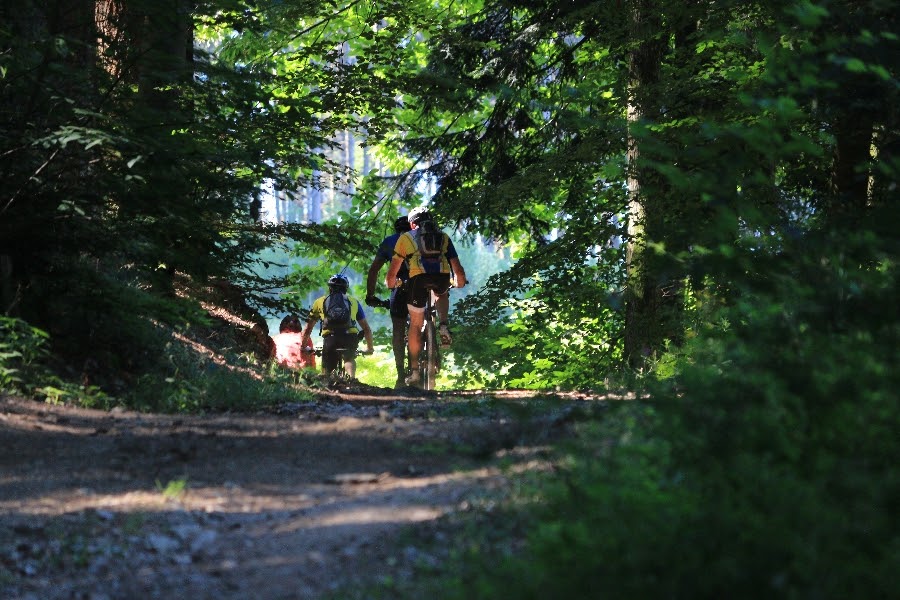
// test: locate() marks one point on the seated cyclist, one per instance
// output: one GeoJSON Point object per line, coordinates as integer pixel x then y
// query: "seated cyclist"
{"type": "Point", "coordinates": [431, 257]}
{"type": "Point", "coordinates": [292, 350]}
{"type": "Point", "coordinates": [340, 314]}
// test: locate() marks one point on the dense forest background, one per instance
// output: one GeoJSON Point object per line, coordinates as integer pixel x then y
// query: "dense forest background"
{"type": "Point", "coordinates": [697, 201]}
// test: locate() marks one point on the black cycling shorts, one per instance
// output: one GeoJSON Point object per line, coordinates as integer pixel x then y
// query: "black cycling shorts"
{"type": "Point", "coordinates": [418, 292]}
{"type": "Point", "coordinates": [398, 302]}
{"type": "Point", "coordinates": [337, 346]}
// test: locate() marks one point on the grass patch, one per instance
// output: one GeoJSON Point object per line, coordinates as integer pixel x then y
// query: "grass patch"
{"type": "Point", "coordinates": [173, 490]}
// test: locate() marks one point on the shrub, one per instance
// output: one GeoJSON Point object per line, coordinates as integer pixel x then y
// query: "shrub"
{"type": "Point", "coordinates": [22, 349]}
{"type": "Point", "coordinates": [764, 466]}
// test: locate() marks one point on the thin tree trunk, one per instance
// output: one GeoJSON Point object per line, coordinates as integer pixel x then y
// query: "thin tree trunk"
{"type": "Point", "coordinates": [850, 177]}
{"type": "Point", "coordinates": [351, 163]}
{"type": "Point", "coordinates": [643, 293]}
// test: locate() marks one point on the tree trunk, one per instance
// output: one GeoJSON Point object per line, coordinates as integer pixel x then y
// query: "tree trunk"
{"type": "Point", "coordinates": [162, 33]}
{"type": "Point", "coordinates": [643, 294]}
{"type": "Point", "coordinates": [850, 177]}
{"type": "Point", "coordinates": [167, 34]}
{"type": "Point", "coordinates": [350, 164]}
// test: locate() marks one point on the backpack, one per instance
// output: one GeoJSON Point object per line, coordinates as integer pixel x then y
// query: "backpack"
{"type": "Point", "coordinates": [430, 240]}
{"type": "Point", "coordinates": [337, 312]}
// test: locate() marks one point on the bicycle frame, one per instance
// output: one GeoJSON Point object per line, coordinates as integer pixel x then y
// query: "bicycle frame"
{"type": "Point", "coordinates": [430, 357]}
{"type": "Point", "coordinates": [339, 372]}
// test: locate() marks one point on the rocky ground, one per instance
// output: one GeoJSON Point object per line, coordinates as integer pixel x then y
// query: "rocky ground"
{"type": "Point", "coordinates": [356, 488]}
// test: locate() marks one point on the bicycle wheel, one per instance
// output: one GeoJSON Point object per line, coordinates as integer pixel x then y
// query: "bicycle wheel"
{"type": "Point", "coordinates": [432, 354]}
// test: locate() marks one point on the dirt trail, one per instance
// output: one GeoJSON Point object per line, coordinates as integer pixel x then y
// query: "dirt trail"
{"type": "Point", "coordinates": [290, 504]}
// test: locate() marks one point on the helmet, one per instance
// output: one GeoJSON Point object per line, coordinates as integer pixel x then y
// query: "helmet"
{"type": "Point", "coordinates": [401, 224]}
{"type": "Point", "coordinates": [419, 214]}
{"type": "Point", "coordinates": [338, 282]}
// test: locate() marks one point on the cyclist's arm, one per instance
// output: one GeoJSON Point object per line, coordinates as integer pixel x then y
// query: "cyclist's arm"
{"type": "Point", "coordinates": [372, 277]}
{"type": "Point", "coordinates": [459, 274]}
{"type": "Point", "coordinates": [367, 332]}
{"type": "Point", "coordinates": [390, 279]}
{"type": "Point", "coordinates": [310, 323]}
{"type": "Point", "coordinates": [307, 331]}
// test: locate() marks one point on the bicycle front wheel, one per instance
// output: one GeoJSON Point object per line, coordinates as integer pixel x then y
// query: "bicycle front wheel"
{"type": "Point", "coordinates": [432, 355]}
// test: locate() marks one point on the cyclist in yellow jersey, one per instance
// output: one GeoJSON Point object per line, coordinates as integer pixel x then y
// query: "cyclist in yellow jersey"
{"type": "Point", "coordinates": [339, 339]}
{"type": "Point", "coordinates": [425, 267]}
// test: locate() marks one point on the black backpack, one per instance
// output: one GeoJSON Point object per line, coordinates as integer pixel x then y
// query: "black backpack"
{"type": "Point", "coordinates": [337, 312]}
{"type": "Point", "coordinates": [430, 240]}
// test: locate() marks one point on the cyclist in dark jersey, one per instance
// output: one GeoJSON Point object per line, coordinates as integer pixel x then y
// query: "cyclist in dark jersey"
{"type": "Point", "coordinates": [399, 312]}
{"type": "Point", "coordinates": [433, 270]}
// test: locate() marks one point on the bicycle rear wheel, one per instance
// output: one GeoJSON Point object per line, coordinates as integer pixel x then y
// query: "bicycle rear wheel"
{"type": "Point", "coordinates": [432, 355]}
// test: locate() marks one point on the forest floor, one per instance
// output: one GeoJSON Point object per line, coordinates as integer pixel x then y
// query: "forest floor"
{"type": "Point", "coordinates": [361, 488]}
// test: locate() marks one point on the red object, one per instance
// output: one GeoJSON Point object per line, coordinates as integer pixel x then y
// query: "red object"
{"type": "Point", "coordinates": [294, 352]}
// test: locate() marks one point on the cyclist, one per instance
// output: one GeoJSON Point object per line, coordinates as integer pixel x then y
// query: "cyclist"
{"type": "Point", "coordinates": [398, 310]}
{"type": "Point", "coordinates": [340, 337]}
{"type": "Point", "coordinates": [292, 350]}
{"type": "Point", "coordinates": [423, 269]}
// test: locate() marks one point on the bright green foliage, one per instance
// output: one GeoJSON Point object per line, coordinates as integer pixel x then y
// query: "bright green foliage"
{"type": "Point", "coordinates": [21, 349]}
{"type": "Point", "coordinates": [555, 335]}
{"type": "Point", "coordinates": [173, 490]}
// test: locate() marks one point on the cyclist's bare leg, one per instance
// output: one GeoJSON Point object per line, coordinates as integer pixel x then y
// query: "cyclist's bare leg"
{"type": "Point", "coordinates": [442, 306]}
{"type": "Point", "coordinates": [350, 368]}
{"type": "Point", "coordinates": [329, 365]}
{"type": "Point", "coordinates": [416, 317]}
{"type": "Point", "coordinates": [398, 344]}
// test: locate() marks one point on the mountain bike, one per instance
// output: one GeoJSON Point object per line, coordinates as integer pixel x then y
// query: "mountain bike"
{"type": "Point", "coordinates": [376, 302]}
{"type": "Point", "coordinates": [339, 373]}
{"type": "Point", "coordinates": [430, 357]}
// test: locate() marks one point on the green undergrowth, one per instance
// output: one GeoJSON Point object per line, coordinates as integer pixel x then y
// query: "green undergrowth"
{"type": "Point", "coordinates": [175, 373]}
{"type": "Point", "coordinates": [760, 461]}
{"type": "Point", "coordinates": [26, 368]}
{"type": "Point", "coordinates": [631, 511]}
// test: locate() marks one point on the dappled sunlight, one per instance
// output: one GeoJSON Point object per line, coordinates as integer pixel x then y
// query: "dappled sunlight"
{"type": "Point", "coordinates": [241, 499]}
{"type": "Point", "coordinates": [80, 500]}
{"type": "Point", "coordinates": [216, 357]}
{"type": "Point", "coordinates": [387, 495]}
{"type": "Point", "coordinates": [363, 515]}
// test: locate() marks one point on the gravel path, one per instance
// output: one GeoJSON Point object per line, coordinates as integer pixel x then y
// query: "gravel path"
{"type": "Point", "coordinates": [294, 503]}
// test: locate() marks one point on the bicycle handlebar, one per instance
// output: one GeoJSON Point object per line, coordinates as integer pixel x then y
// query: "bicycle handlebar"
{"type": "Point", "coordinates": [428, 286]}
{"type": "Point", "coordinates": [377, 302]}
{"type": "Point", "coordinates": [358, 352]}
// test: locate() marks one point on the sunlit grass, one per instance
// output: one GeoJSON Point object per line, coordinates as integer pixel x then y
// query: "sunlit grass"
{"type": "Point", "coordinates": [172, 490]}
{"type": "Point", "coordinates": [378, 369]}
